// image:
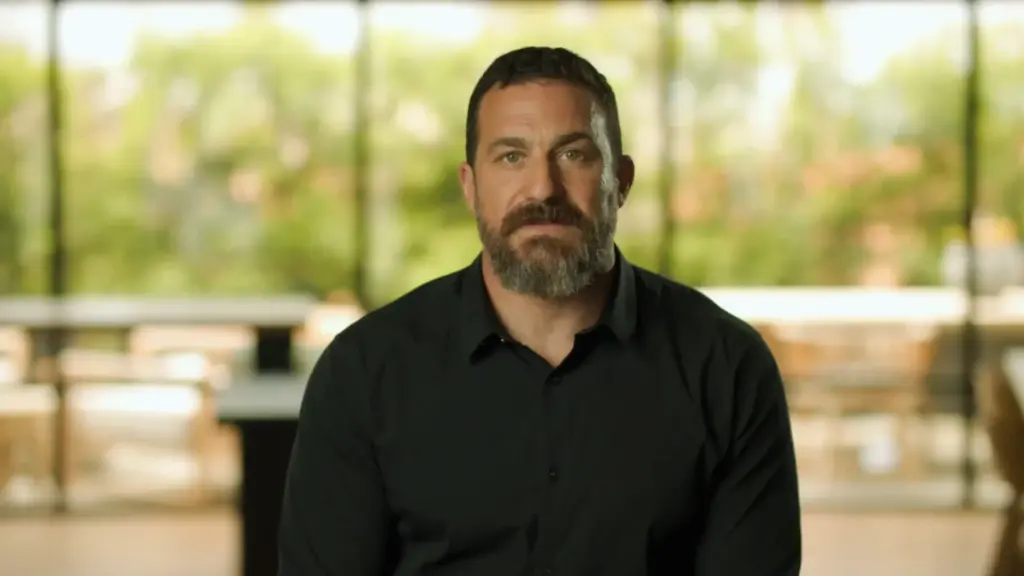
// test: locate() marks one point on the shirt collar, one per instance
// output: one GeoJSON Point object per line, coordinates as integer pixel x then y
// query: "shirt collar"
{"type": "Point", "coordinates": [480, 325]}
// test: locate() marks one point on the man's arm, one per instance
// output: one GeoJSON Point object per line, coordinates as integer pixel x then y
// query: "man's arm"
{"type": "Point", "coordinates": [334, 519]}
{"type": "Point", "coordinates": [753, 522]}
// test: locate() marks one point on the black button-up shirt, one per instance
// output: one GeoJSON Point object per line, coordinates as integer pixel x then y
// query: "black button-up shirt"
{"type": "Point", "coordinates": [431, 443]}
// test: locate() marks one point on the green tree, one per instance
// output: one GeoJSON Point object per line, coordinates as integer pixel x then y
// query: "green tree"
{"type": "Point", "coordinates": [1002, 131]}
{"type": "Point", "coordinates": [926, 85]}
{"type": "Point", "coordinates": [728, 233]}
{"type": "Point", "coordinates": [227, 169]}
{"type": "Point", "coordinates": [22, 105]}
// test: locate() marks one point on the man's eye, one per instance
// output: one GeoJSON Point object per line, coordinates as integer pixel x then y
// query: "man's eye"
{"type": "Point", "coordinates": [512, 157]}
{"type": "Point", "coordinates": [574, 155]}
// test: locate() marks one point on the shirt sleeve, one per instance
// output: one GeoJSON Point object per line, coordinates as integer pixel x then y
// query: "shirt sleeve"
{"type": "Point", "coordinates": [753, 520]}
{"type": "Point", "coordinates": [334, 518]}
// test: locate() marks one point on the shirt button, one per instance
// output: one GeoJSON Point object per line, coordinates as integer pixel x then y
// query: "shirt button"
{"type": "Point", "coordinates": [554, 379]}
{"type": "Point", "coordinates": [553, 474]}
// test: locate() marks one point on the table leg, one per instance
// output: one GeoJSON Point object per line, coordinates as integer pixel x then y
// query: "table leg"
{"type": "Point", "coordinates": [266, 448]}
{"type": "Point", "coordinates": [274, 354]}
{"type": "Point", "coordinates": [47, 344]}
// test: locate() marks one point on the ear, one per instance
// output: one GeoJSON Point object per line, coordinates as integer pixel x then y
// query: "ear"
{"type": "Point", "coordinates": [468, 183]}
{"type": "Point", "coordinates": [626, 172]}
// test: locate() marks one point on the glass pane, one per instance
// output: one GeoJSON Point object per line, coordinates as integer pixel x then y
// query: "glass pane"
{"type": "Point", "coordinates": [207, 152]}
{"type": "Point", "coordinates": [998, 229]}
{"type": "Point", "coordinates": [426, 59]}
{"type": "Point", "coordinates": [819, 174]}
{"type": "Point", "coordinates": [26, 408]}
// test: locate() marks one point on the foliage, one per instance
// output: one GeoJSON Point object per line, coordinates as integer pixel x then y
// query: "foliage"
{"type": "Point", "coordinates": [223, 162]}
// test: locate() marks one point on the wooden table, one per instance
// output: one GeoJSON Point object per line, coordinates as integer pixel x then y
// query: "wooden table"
{"type": "Point", "coordinates": [273, 319]}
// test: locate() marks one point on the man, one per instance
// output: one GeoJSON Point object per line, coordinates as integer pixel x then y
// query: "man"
{"type": "Point", "coordinates": [550, 409]}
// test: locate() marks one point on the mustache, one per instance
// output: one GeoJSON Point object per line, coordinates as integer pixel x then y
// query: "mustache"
{"type": "Point", "coordinates": [552, 211]}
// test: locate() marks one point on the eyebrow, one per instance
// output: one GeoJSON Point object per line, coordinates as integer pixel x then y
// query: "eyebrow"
{"type": "Point", "coordinates": [520, 143]}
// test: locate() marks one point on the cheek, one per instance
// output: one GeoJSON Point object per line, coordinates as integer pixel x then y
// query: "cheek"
{"type": "Point", "coordinates": [588, 191]}
{"type": "Point", "coordinates": [488, 208]}
{"type": "Point", "coordinates": [495, 195]}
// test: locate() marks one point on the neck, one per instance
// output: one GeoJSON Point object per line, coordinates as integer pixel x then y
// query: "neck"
{"type": "Point", "coordinates": [538, 322]}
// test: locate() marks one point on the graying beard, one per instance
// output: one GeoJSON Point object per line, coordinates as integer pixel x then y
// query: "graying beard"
{"type": "Point", "coordinates": [561, 278]}
{"type": "Point", "coordinates": [565, 275]}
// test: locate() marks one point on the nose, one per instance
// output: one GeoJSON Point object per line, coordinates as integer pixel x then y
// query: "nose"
{"type": "Point", "coordinates": [545, 180]}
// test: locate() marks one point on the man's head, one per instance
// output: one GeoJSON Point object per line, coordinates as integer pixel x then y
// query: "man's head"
{"type": "Point", "coordinates": [544, 171]}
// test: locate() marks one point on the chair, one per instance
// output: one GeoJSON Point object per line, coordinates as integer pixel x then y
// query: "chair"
{"type": "Point", "coordinates": [835, 370]}
{"type": "Point", "coordinates": [216, 351]}
{"type": "Point", "coordinates": [191, 346]}
{"type": "Point", "coordinates": [25, 412]}
{"type": "Point", "coordinates": [84, 367]}
{"type": "Point", "coordinates": [1001, 413]}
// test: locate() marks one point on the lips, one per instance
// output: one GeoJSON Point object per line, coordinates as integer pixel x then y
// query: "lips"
{"type": "Point", "coordinates": [541, 224]}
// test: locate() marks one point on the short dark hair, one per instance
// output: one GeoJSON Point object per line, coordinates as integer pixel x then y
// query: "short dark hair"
{"type": "Point", "coordinates": [543, 63]}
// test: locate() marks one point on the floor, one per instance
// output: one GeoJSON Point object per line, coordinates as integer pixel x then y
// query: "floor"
{"type": "Point", "coordinates": [204, 544]}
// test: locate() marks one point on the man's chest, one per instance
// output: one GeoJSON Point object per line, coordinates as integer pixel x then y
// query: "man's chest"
{"type": "Point", "coordinates": [489, 451]}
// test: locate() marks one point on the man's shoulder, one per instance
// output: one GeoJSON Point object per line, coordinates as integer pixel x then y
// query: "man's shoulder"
{"type": "Point", "coordinates": [724, 358]}
{"type": "Point", "coordinates": [689, 309]}
{"type": "Point", "coordinates": [420, 314]}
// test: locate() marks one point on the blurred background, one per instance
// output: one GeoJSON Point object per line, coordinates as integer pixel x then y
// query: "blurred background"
{"type": "Point", "coordinates": [847, 176]}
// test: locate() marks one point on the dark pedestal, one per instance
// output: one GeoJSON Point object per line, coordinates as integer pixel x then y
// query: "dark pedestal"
{"type": "Point", "coordinates": [274, 350]}
{"type": "Point", "coordinates": [266, 446]}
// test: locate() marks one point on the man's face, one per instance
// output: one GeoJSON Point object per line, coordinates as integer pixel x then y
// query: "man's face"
{"type": "Point", "coordinates": [545, 189]}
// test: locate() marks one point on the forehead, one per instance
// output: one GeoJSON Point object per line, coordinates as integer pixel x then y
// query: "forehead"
{"type": "Point", "coordinates": [540, 105]}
